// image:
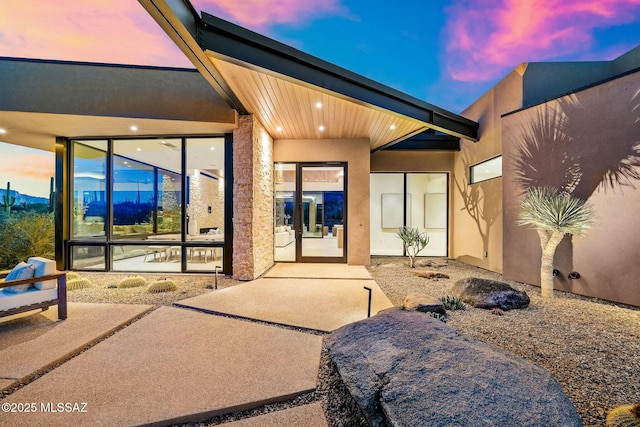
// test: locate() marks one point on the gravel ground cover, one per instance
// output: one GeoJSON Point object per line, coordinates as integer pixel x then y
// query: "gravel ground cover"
{"type": "Point", "coordinates": [592, 347]}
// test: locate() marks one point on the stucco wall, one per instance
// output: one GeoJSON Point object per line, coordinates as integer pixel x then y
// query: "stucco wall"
{"type": "Point", "coordinates": [355, 152]}
{"type": "Point", "coordinates": [477, 208]}
{"type": "Point", "coordinates": [594, 156]}
{"type": "Point", "coordinates": [252, 199]}
{"type": "Point", "coordinates": [109, 90]}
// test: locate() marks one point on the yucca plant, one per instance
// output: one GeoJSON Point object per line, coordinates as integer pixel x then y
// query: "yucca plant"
{"type": "Point", "coordinates": [414, 241]}
{"type": "Point", "coordinates": [553, 214]}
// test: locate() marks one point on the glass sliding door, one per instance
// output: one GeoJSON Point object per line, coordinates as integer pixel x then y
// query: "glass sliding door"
{"type": "Point", "coordinates": [322, 212]}
{"type": "Point", "coordinates": [417, 200]}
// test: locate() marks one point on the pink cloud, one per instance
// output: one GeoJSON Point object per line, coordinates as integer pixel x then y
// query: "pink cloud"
{"type": "Point", "coordinates": [111, 31]}
{"type": "Point", "coordinates": [486, 37]}
{"type": "Point", "coordinates": [260, 14]}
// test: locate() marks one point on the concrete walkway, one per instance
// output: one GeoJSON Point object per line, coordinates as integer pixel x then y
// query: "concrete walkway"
{"type": "Point", "coordinates": [314, 299]}
{"type": "Point", "coordinates": [172, 365]}
{"type": "Point", "coordinates": [30, 343]}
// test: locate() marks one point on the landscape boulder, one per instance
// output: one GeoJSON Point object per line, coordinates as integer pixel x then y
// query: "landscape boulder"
{"type": "Point", "coordinates": [485, 293]}
{"type": "Point", "coordinates": [423, 303]}
{"type": "Point", "coordinates": [406, 369]}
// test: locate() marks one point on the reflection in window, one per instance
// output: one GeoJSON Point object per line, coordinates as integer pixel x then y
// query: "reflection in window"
{"type": "Point", "coordinates": [205, 189]}
{"type": "Point", "coordinates": [488, 169]}
{"type": "Point", "coordinates": [87, 257]}
{"type": "Point", "coordinates": [89, 204]}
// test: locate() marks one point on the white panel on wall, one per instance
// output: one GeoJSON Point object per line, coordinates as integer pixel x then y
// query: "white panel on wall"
{"type": "Point", "coordinates": [435, 210]}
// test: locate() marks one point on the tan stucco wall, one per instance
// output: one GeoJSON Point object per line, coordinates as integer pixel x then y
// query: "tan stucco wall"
{"type": "Point", "coordinates": [355, 152]}
{"type": "Point", "coordinates": [477, 208]}
{"type": "Point", "coordinates": [602, 127]}
{"type": "Point", "coordinates": [252, 199]}
{"type": "Point", "coordinates": [412, 161]}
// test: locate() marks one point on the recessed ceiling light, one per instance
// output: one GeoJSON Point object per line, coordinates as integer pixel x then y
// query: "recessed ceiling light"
{"type": "Point", "coordinates": [212, 148]}
{"type": "Point", "coordinates": [163, 142]}
{"type": "Point", "coordinates": [3, 131]}
{"type": "Point", "coordinates": [318, 104]}
{"type": "Point", "coordinates": [279, 129]}
{"type": "Point", "coordinates": [321, 128]}
{"type": "Point", "coordinates": [138, 149]}
{"type": "Point", "coordinates": [125, 162]}
{"type": "Point", "coordinates": [134, 128]}
{"type": "Point", "coordinates": [392, 127]}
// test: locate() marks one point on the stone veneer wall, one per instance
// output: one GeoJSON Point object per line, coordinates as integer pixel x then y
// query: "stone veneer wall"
{"type": "Point", "coordinates": [252, 199]}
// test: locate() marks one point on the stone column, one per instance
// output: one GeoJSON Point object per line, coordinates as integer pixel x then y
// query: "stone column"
{"type": "Point", "coordinates": [252, 199]}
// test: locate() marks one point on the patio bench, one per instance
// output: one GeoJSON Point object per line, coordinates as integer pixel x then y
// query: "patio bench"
{"type": "Point", "coordinates": [48, 287]}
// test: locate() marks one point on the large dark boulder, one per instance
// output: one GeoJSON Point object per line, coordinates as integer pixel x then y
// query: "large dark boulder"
{"type": "Point", "coordinates": [485, 293]}
{"type": "Point", "coordinates": [404, 368]}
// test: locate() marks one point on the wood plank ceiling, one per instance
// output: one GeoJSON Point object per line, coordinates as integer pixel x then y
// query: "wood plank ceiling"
{"type": "Point", "coordinates": [290, 110]}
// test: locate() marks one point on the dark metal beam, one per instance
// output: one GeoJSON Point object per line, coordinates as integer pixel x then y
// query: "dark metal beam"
{"type": "Point", "coordinates": [229, 42]}
{"type": "Point", "coordinates": [427, 140]}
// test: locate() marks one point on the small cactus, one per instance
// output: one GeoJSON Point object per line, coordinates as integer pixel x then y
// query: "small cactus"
{"type": "Point", "coordinates": [80, 283]}
{"type": "Point", "coordinates": [132, 282]}
{"type": "Point", "coordinates": [72, 275]}
{"type": "Point", "coordinates": [8, 200]}
{"type": "Point", "coordinates": [453, 303]}
{"type": "Point", "coordinates": [52, 196]}
{"type": "Point", "coordinates": [624, 416]}
{"type": "Point", "coordinates": [162, 285]}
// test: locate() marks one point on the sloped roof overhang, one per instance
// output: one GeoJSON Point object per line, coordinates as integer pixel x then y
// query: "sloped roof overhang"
{"type": "Point", "coordinates": [209, 39]}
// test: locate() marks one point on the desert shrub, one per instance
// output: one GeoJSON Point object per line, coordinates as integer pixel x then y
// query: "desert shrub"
{"type": "Point", "coordinates": [452, 303]}
{"type": "Point", "coordinates": [23, 235]}
{"type": "Point", "coordinates": [438, 316]}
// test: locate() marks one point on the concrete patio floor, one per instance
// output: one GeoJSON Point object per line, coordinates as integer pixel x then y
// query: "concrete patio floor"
{"type": "Point", "coordinates": [314, 299]}
{"type": "Point", "coordinates": [32, 342]}
{"type": "Point", "coordinates": [174, 366]}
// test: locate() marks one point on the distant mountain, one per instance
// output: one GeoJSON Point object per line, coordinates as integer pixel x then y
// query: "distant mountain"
{"type": "Point", "coordinates": [23, 198]}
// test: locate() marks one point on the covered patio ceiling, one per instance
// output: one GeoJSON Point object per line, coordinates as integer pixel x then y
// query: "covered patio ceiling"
{"type": "Point", "coordinates": [295, 95]}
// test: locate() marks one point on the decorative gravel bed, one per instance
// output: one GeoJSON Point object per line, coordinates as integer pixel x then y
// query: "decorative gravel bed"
{"type": "Point", "coordinates": [592, 347]}
{"type": "Point", "coordinates": [189, 285]}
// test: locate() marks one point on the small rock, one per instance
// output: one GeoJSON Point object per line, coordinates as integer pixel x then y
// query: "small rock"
{"type": "Point", "coordinates": [431, 275]}
{"type": "Point", "coordinates": [434, 263]}
{"type": "Point", "coordinates": [423, 303]}
{"type": "Point", "coordinates": [485, 293]}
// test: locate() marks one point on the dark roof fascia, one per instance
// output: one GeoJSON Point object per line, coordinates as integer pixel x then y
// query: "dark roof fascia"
{"type": "Point", "coordinates": [571, 92]}
{"type": "Point", "coordinates": [97, 64]}
{"type": "Point", "coordinates": [236, 44]}
{"type": "Point", "coordinates": [427, 141]}
{"type": "Point", "coordinates": [180, 21]}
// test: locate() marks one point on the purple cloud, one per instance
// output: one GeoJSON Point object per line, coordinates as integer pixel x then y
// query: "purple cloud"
{"type": "Point", "coordinates": [487, 37]}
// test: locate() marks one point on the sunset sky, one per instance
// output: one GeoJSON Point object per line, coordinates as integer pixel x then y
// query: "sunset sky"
{"type": "Point", "coordinates": [446, 52]}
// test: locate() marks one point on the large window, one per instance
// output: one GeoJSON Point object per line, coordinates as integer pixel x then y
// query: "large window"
{"type": "Point", "coordinates": [154, 216]}
{"type": "Point", "coordinates": [89, 202]}
{"type": "Point", "coordinates": [418, 200]}
{"type": "Point", "coordinates": [486, 170]}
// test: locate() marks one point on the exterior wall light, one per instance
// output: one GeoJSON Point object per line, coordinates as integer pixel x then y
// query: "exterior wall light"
{"type": "Point", "coordinates": [574, 275]}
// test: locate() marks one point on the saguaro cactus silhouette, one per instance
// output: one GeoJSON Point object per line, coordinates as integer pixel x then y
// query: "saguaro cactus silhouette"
{"type": "Point", "coordinates": [8, 200]}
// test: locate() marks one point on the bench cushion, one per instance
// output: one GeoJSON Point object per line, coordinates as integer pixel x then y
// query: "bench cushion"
{"type": "Point", "coordinates": [30, 296]}
{"type": "Point", "coordinates": [44, 267]}
{"type": "Point", "coordinates": [19, 272]}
